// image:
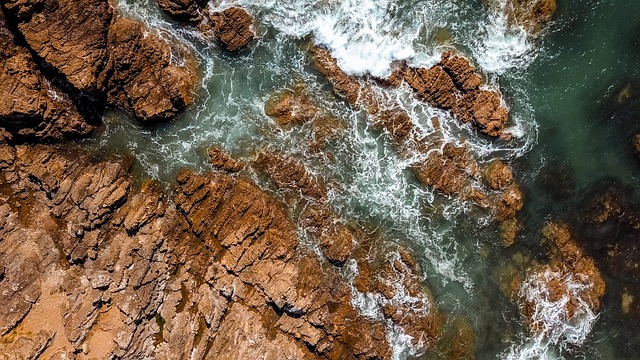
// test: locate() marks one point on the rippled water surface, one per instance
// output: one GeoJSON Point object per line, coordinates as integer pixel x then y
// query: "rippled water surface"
{"type": "Point", "coordinates": [563, 90]}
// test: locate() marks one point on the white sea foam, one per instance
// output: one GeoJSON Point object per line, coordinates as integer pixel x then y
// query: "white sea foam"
{"type": "Point", "coordinates": [499, 46]}
{"type": "Point", "coordinates": [556, 331]}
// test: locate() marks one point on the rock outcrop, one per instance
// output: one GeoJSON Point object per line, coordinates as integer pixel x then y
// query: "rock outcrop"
{"type": "Point", "coordinates": [233, 28]}
{"type": "Point", "coordinates": [89, 264]}
{"type": "Point", "coordinates": [30, 106]}
{"type": "Point", "coordinates": [454, 85]}
{"type": "Point", "coordinates": [387, 275]}
{"type": "Point", "coordinates": [69, 35]}
{"type": "Point", "coordinates": [99, 55]}
{"type": "Point", "coordinates": [141, 75]}
{"type": "Point", "coordinates": [447, 167]}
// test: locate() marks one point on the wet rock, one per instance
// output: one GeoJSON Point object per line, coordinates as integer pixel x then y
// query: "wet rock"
{"type": "Point", "coordinates": [30, 106]}
{"type": "Point", "coordinates": [461, 71]}
{"type": "Point", "coordinates": [533, 14]}
{"type": "Point", "coordinates": [298, 107]}
{"type": "Point", "coordinates": [287, 173]}
{"type": "Point", "coordinates": [448, 167]}
{"type": "Point", "coordinates": [498, 175]}
{"type": "Point", "coordinates": [233, 28]}
{"type": "Point", "coordinates": [335, 238]}
{"type": "Point", "coordinates": [566, 289]}
{"type": "Point", "coordinates": [509, 231]}
{"type": "Point", "coordinates": [291, 107]}
{"type": "Point", "coordinates": [99, 54]}
{"type": "Point", "coordinates": [433, 85]}
{"type": "Point", "coordinates": [141, 76]}
{"type": "Point", "coordinates": [223, 161]}
{"type": "Point", "coordinates": [188, 11]}
{"type": "Point", "coordinates": [454, 84]}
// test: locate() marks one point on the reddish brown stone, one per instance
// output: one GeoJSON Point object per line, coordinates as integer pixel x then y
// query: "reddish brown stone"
{"type": "Point", "coordinates": [233, 28]}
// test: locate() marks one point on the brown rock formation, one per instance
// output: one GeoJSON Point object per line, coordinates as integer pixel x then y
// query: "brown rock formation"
{"type": "Point", "coordinates": [30, 107]}
{"type": "Point", "coordinates": [70, 35]}
{"type": "Point", "coordinates": [233, 28]}
{"type": "Point", "coordinates": [188, 11]}
{"type": "Point", "coordinates": [98, 53]}
{"type": "Point", "coordinates": [454, 85]}
{"type": "Point", "coordinates": [447, 168]}
{"type": "Point", "coordinates": [222, 161]}
{"type": "Point", "coordinates": [94, 266]}
{"type": "Point", "coordinates": [140, 75]}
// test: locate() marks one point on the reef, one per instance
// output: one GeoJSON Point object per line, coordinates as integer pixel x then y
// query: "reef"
{"type": "Point", "coordinates": [447, 167]}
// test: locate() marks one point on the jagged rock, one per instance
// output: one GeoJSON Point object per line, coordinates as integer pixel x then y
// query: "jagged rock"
{"type": "Point", "coordinates": [454, 84]}
{"type": "Point", "coordinates": [434, 85]}
{"type": "Point", "coordinates": [31, 107]}
{"type": "Point", "coordinates": [150, 279]}
{"type": "Point", "coordinates": [287, 173]}
{"type": "Point", "coordinates": [141, 76]}
{"type": "Point", "coordinates": [498, 175]}
{"type": "Point", "coordinates": [99, 53]}
{"type": "Point", "coordinates": [188, 11]}
{"type": "Point", "coordinates": [222, 161]}
{"type": "Point", "coordinates": [461, 71]}
{"type": "Point", "coordinates": [447, 168]}
{"type": "Point", "coordinates": [233, 28]}
{"type": "Point", "coordinates": [70, 35]}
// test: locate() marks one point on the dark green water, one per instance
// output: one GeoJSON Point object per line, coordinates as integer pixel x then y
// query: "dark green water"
{"type": "Point", "coordinates": [574, 126]}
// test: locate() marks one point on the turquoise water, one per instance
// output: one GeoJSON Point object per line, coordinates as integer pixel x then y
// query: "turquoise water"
{"type": "Point", "coordinates": [563, 89]}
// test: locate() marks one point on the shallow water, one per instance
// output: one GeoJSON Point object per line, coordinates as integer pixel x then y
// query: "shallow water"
{"type": "Point", "coordinates": [562, 89]}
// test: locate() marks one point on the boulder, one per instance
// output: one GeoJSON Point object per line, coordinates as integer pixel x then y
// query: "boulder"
{"type": "Point", "coordinates": [233, 28]}
{"type": "Point", "coordinates": [141, 76]}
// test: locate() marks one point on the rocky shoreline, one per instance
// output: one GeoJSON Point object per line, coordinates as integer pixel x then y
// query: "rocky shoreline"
{"type": "Point", "coordinates": [92, 266]}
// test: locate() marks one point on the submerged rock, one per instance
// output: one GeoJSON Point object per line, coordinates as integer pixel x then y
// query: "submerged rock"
{"type": "Point", "coordinates": [233, 28]}
{"type": "Point", "coordinates": [554, 297]}
{"type": "Point", "coordinates": [297, 107]}
{"type": "Point", "coordinates": [532, 15]}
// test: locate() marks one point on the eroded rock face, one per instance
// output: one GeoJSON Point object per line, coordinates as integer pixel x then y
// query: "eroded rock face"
{"type": "Point", "coordinates": [128, 273]}
{"type": "Point", "coordinates": [454, 85]}
{"type": "Point", "coordinates": [233, 28]}
{"type": "Point", "coordinates": [31, 107]}
{"type": "Point", "coordinates": [140, 74]}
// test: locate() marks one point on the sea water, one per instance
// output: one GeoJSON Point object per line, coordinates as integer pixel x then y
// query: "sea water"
{"type": "Point", "coordinates": [560, 87]}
